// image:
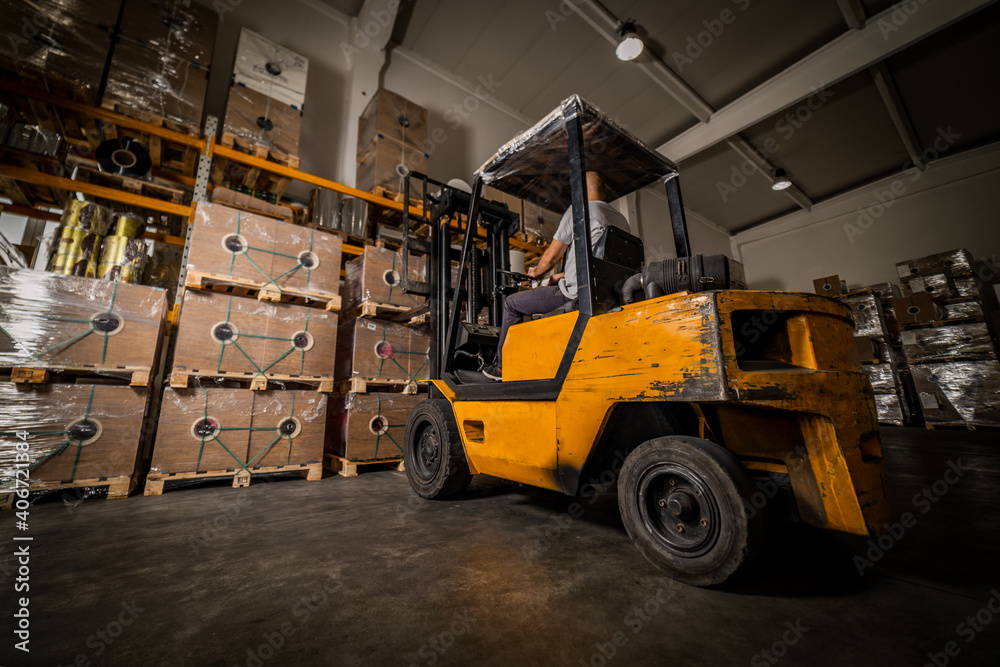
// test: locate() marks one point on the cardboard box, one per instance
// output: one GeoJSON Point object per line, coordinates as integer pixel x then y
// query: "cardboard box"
{"type": "Point", "coordinates": [196, 423]}
{"type": "Point", "coordinates": [263, 121]}
{"type": "Point", "coordinates": [367, 427]}
{"type": "Point", "coordinates": [889, 408]}
{"type": "Point", "coordinates": [55, 321]}
{"type": "Point", "coordinates": [830, 286]}
{"type": "Point", "coordinates": [270, 69]}
{"type": "Point", "coordinates": [964, 341]}
{"type": "Point", "coordinates": [917, 309]}
{"type": "Point", "coordinates": [951, 263]}
{"type": "Point", "coordinates": [380, 350]}
{"type": "Point", "coordinates": [232, 244]}
{"type": "Point", "coordinates": [100, 426]}
{"type": "Point", "coordinates": [391, 116]}
{"type": "Point", "coordinates": [882, 378]}
{"type": "Point", "coordinates": [220, 333]}
{"type": "Point", "coordinates": [959, 392]}
{"type": "Point", "coordinates": [385, 164]}
{"type": "Point", "coordinates": [245, 202]}
{"type": "Point", "coordinates": [374, 277]}
{"type": "Point", "coordinates": [867, 312]}
{"type": "Point", "coordinates": [866, 350]}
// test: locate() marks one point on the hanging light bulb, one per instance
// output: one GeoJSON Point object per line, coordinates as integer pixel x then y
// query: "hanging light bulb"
{"type": "Point", "coordinates": [781, 181]}
{"type": "Point", "coordinates": [631, 46]}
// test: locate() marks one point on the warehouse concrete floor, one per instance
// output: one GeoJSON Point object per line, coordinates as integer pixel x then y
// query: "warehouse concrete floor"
{"type": "Point", "coordinates": [360, 571]}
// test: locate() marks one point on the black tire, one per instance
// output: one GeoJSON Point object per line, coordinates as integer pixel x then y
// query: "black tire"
{"type": "Point", "coordinates": [707, 533]}
{"type": "Point", "coordinates": [435, 461]}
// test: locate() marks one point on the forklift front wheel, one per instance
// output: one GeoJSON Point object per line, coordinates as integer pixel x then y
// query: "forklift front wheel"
{"type": "Point", "coordinates": [685, 503]}
{"type": "Point", "coordinates": [435, 460]}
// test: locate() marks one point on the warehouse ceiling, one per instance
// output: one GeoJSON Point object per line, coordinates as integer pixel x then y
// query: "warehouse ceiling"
{"type": "Point", "coordinates": [717, 51]}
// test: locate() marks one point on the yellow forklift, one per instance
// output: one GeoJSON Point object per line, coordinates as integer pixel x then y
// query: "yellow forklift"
{"type": "Point", "coordinates": [692, 390]}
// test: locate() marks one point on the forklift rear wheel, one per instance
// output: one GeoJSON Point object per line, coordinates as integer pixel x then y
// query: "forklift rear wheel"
{"type": "Point", "coordinates": [685, 503]}
{"type": "Point", "coordinates": [435, 460]}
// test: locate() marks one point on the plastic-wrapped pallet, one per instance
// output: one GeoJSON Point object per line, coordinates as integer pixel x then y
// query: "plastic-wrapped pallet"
{"type": "Point", "coordinates": [70, 433]}
{"type": "Point", "coordinates": [161, 61]}
{"type": "Point", "coordinates": [374, 276]}
{"type": "Point", "coordinates": [960, 392]}
{"type": "Point", "coordinates": [65, 322]}
{"type": "Point", "coordinates": [261, 121]}
{"type": "Point", "coordinates": [889, 409]}
{"type": "Point", "coordinates": [232, 430]}
{"type": "Point", "coordinates": [951, 263]}
{"type": "Point", "coordinates": [958, 341]}
{"type": "Point", "coordinates": [380, 350]}
{"type": "Point", "coordinates": [392, 140]}
{"type": "Point", "coordinates": [367, 427]}
{"type": "Point", "coordinates": [224, 334]}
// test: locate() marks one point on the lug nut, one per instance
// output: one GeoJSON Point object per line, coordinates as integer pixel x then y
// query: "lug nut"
{"type": "Point", "coordinates": [704, 521]}
{"type": "Point", "coordinates": [680, 528]}
{"type": "Point", "coordinates": [673, 482]}
{"type": "Point", "coordinates": [663, 502]}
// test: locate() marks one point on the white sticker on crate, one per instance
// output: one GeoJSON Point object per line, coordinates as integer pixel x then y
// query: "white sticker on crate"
{"type": "Point", "coordinates": [917, 285]}
{"type": "Point", "coordinates": [371, 325]}
{"type": "Point", "coordinates": [903, 270]}
{"type": "Point", "coordinates": [928, 401]}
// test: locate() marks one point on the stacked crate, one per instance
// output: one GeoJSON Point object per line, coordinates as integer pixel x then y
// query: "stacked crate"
{"type": "Point", "coordinates": [381, 363]}
{"type": "Point", "coordinates": [944, 314]}
{"type": "Point", "coordinates": [78, 356]}
{"type": "Point", "coordinates": [877, 356]}
{"type": "Point", "coordinates": [392, 140]}
{"type": "Point", "coordinates": [537, 222]}
{"type": "Point", "coordinates": [263, 115]}
{"type": "Point", "coordinates": [257, 317]}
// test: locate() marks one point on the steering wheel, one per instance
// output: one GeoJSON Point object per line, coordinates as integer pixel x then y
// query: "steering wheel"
{"type": "Point", "coordinates": [519, 276]}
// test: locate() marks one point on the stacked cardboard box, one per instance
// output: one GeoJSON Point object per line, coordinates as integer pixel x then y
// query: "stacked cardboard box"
{"type": "Point", "coordinates": [944, 313]}
{"type": "Point", "coordinates": [160, 65]}
{"type": "Point", "coordinates": [382, 364]}
{"type": "Point", "coordinates": [392, 140]}
{"type": "Point", "coordinates": [77, 358]}
{"type": "Point", "coordinates": [537, 222]}
{"type": "Point", "coordinates": [230, 409]}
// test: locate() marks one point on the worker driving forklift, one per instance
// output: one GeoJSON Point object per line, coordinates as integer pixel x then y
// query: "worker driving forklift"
{"type": "Point", "coordinates": [644, 373]}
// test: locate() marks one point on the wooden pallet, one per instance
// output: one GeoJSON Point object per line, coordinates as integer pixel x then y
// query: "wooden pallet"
{"type": "Point", "coordinates": [136, 186]}
{"type": "Point", "coordinates": [138, 376]}
{"type": "Point", "coordinates": [391, 311]}
{"type": "Point", "coordinates": [78, 130]}
{"type": "Point", "coordinates": [364, 385]}
{"type": "Point", "coordinates": [155, 481]}
{"type": "Point", "coordinates": [23, 193]}
{"type": "Point", "coordinates": [180, 379]}
{"type": "Point", "coordinates": [118, 487]}
{"type": "Point", "coordinates": [262, 292]}
{"type": "Point", "coordinates": [229, 172]}
{"type": "Point", "coordinates": [347, 468]}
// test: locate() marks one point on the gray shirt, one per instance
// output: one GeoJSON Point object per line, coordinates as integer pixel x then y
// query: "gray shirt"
{"type": "Point", "coordinates": [602, 216]}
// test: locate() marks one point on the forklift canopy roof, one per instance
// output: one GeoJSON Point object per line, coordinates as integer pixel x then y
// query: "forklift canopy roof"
{"type": "Point", "coordinates": [534, 165]}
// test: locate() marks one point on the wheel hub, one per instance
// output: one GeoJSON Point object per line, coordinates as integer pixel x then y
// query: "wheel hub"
{"type": "Point", "coordinates": [679, 509]}
{"type": "Point", "coordinates": [682, 504]}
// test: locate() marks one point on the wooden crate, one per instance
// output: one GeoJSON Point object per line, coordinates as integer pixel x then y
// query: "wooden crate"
{"type": "Point", "coordinates": [74, 435]}
{"type": "Point", "coordinates": [956, 341]}
{"type": "Point", "coordinates": [368, 427]}
{"type": "Point", "coordinates": [55, 322]}
{"type": "Point", "coordinates": [373, 277]}
{"type": "Point", "coordinates": [392, 116]}
{"type": "Point", "coordinates": [236, 432]}
{"type": "Point", "coordinates": [965, 392]}
{"type": "Point", "coordinates": [230, 245]}
{"type": "Point", "coordinates": [230, 336]}
{"type": "Point", "coordinates": [376, 350]}
{"type": "Point", "coordinates": [226, 172]}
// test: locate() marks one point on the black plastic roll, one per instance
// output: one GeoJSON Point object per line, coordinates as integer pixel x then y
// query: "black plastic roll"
{"type": "Point", "coordinates": [125, 157]}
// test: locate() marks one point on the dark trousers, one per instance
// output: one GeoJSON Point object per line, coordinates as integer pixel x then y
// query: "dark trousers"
{"type": "Point", "coordinates": [532, 302]}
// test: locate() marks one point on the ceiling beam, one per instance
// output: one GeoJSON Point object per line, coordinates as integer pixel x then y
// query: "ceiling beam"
{"type": "Point", "coordinates": [606, 25]}
{"type": "Point", "coordinates": [854, 15]}
{"type": "Point", "coordinates": [882, 36]}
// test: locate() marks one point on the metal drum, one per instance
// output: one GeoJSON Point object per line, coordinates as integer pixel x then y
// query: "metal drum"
{"type": "Point", "coordinates": [354, 216]}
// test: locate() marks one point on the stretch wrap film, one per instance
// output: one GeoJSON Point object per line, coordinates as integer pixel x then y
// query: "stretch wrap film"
{"type": "Point", "coordinates": [263, 121]}
{"type": "Point", "coordinates": [232, 244]}
{"type": "Point", "coordinates": [867, 312]}
{"type": "Point", "coordinates": [270, 69]}
{"type": "Point", "coordinates": [948, 342]}
{"type": "Point", "coordinates": [961, 391]}
{"type": "Point", "coordinates": [231, 430]}
{"type": "Point", "coordinates": [882, 378]}
{"type": "Point", "coordinates": [951, 263]}
{"type": "Point", "coordinates": [889, 409]}
{"type": "Point", "coordinates": [69, 432]}
{"type": "Point", "coordinates": [161, 61]}
{"type": "Point", "coordinates": [534, 166]}
{"type": "Point", "coordinates": [59, 322]}
{"type": "Point", "coordinates": [374, 276]}
{"type": "Point", "coordinates": [368, 427]}
{"type": "Point", "coordinates": [380, 350]}
{"type": "Point", "coordinates": [220, 333]}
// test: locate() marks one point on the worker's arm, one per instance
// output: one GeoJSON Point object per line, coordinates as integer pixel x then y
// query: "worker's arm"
{"type": "Point", "coordinates": [552, 254]}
